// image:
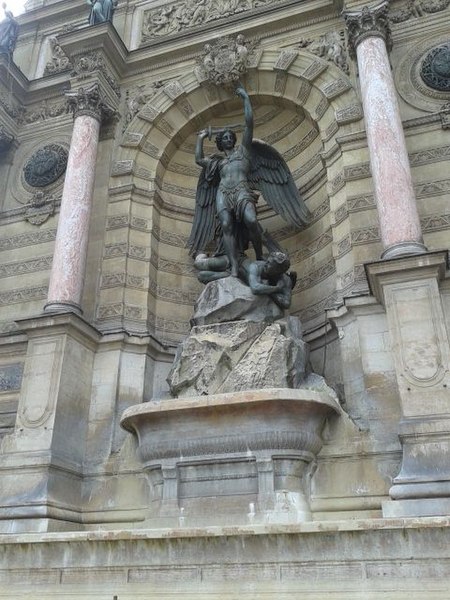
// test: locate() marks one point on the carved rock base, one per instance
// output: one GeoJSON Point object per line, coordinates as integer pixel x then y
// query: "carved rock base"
{"type": "Point", "coordinates": [237, 458]}
{"type": "Point", "coordinates": [229, 299]}
{"type": "Point", "coordinates": [239, 355]}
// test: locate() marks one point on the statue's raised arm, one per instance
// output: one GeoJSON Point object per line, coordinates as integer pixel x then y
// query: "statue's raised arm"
{"type": "Point", "coordinates": [226, 198]}
{"type": "Point", "coordinates": [247, 137]}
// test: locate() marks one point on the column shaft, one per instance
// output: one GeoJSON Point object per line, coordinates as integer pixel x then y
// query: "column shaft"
{"type": "Point", "coordinates": [69, 261]}
{"type": "Point", "coordinates": [369, 37]}
{"type": "Point", "coordinates": [394, 193]}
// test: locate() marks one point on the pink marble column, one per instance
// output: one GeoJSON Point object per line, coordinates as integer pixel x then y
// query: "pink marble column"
{"type": "Point", "coordinates": [400, 229]}
{"type": "Point", "coordinates": [69, 259]}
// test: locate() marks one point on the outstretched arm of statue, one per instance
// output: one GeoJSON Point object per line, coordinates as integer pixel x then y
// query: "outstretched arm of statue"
{"type": "Point", "coordinates": [199, 155]}
{"type": "Point", "coordinates": [247, 136]}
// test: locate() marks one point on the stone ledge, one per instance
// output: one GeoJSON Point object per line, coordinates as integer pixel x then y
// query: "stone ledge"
{"type": "Point", "coordinates": [320, 527]}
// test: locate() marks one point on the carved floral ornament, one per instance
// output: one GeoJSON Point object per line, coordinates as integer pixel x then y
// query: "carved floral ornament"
{"type": "Point", "coordinates": [368, 22]}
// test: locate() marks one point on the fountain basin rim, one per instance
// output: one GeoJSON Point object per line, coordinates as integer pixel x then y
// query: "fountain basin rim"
{"type": "Point", "coordinates": [244, 398]}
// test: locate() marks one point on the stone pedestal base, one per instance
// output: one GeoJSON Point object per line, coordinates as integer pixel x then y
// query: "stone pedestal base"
{"type": "Point", "coordinates": [237, 458]}
{"type": "Point", "coordinates": [409, 289]}
{"type": "Point", "coordinates": [41, 462]}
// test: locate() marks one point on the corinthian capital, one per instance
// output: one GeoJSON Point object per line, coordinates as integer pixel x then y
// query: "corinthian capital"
{"type": "Point", "coordinates": [89, 101]}
{"type": "Point", "coordinates": [371, 21]}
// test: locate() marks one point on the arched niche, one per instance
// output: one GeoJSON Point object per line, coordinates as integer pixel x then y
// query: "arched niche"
{"type": "Point", "coordinates": [299, 109]}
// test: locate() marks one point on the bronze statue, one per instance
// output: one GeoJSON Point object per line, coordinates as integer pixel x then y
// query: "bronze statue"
{"type": "Point", "coordinates": [101, 11]}
{"type": "Point", "coordinates": [270, 276]}
{"type": "Point", "coordinates": [9, 29]}
{"type": "Point", "coordinates": [226, 198]}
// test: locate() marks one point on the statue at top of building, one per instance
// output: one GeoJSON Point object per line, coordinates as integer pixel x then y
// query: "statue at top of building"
{"type": "Point", "coordinates": [226, 197]}
{"type": "Point", "coordinates": [9, 29]}
{"type": "Point", "coordinates": [101, 11]}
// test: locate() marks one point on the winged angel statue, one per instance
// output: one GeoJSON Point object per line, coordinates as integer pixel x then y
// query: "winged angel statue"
{"type": "Point", "coordinates": [225, 207]}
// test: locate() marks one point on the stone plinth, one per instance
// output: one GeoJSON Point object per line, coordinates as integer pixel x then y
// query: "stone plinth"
{"type": "Point", "coordinates": [231, 458]}
{"type": "Point", "coordinates": [41, 462]}
{"type": "Point", "coordinates": [376, 559]}
{"type": "Point", "coordinates": [409, 290]}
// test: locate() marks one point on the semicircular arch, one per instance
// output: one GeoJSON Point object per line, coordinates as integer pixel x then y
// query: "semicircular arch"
{"type": "Point", "coordinates": [310, 100]}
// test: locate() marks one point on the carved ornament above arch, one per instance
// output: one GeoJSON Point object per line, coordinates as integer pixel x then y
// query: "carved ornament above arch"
{"type": "Point", "coordinates": [315, 85]}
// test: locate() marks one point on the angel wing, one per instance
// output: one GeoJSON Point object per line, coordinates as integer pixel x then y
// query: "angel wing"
{"type": "Point", "coordinates": [271, 176]}
{"type": "Point", "coordinates": [204, 224]}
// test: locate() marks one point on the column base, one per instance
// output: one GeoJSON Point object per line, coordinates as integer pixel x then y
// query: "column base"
{"type": "Point", "coordinates": [62, 307]}
{"type": "Point", "coordinates": [404, 249]}
{"type": "Point", "coordinates": [41, 461]}
{"type": "Point", "coordinates": [423, 507]}
{"type": "Point", "coordinates": [425, 471]}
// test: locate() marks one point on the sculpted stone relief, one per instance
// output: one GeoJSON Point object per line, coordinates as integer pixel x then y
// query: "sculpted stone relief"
{"type": "Point", "coordinates": [225, 61]}
{"type": "Point", "coordinates": [33, 114]}
{"type": "Point", "coordinates": [13, 110]}
{"type": "Point", "coordinates": [59, 61]}
{"type": "Point", "coordinates": [94, 61]}
{"type": "Point", "coordinates": [40, 208]}
{"type": "Point", "coordinates": [137, 97]}
{"type": "Point", "coordinates": [331, 47]}
{"type": "Point", "coordinates": [414, 9]}
{"type": "Point", "coordinates": [177, 16]}
{"type": "Point", "coordinates": [43, 112]}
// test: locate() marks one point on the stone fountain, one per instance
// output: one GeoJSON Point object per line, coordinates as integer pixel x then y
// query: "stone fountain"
{"type": "Point", "coordinates": [238, 442]}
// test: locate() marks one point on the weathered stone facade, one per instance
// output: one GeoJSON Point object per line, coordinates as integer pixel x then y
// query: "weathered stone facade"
{"type": "Point", "coordinates": [97, 188]}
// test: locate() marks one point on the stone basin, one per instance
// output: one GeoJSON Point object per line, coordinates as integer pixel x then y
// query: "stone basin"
{"type": "Point", "coordinates": [238, 456]}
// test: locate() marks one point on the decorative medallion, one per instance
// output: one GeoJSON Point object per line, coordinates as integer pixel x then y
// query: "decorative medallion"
{"type": "Point", "coordinates": [422, 73]}
{"type": "Point", "coordinates": [45, 166]}
{"type": "Point", "coordinates": [435, 71]}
